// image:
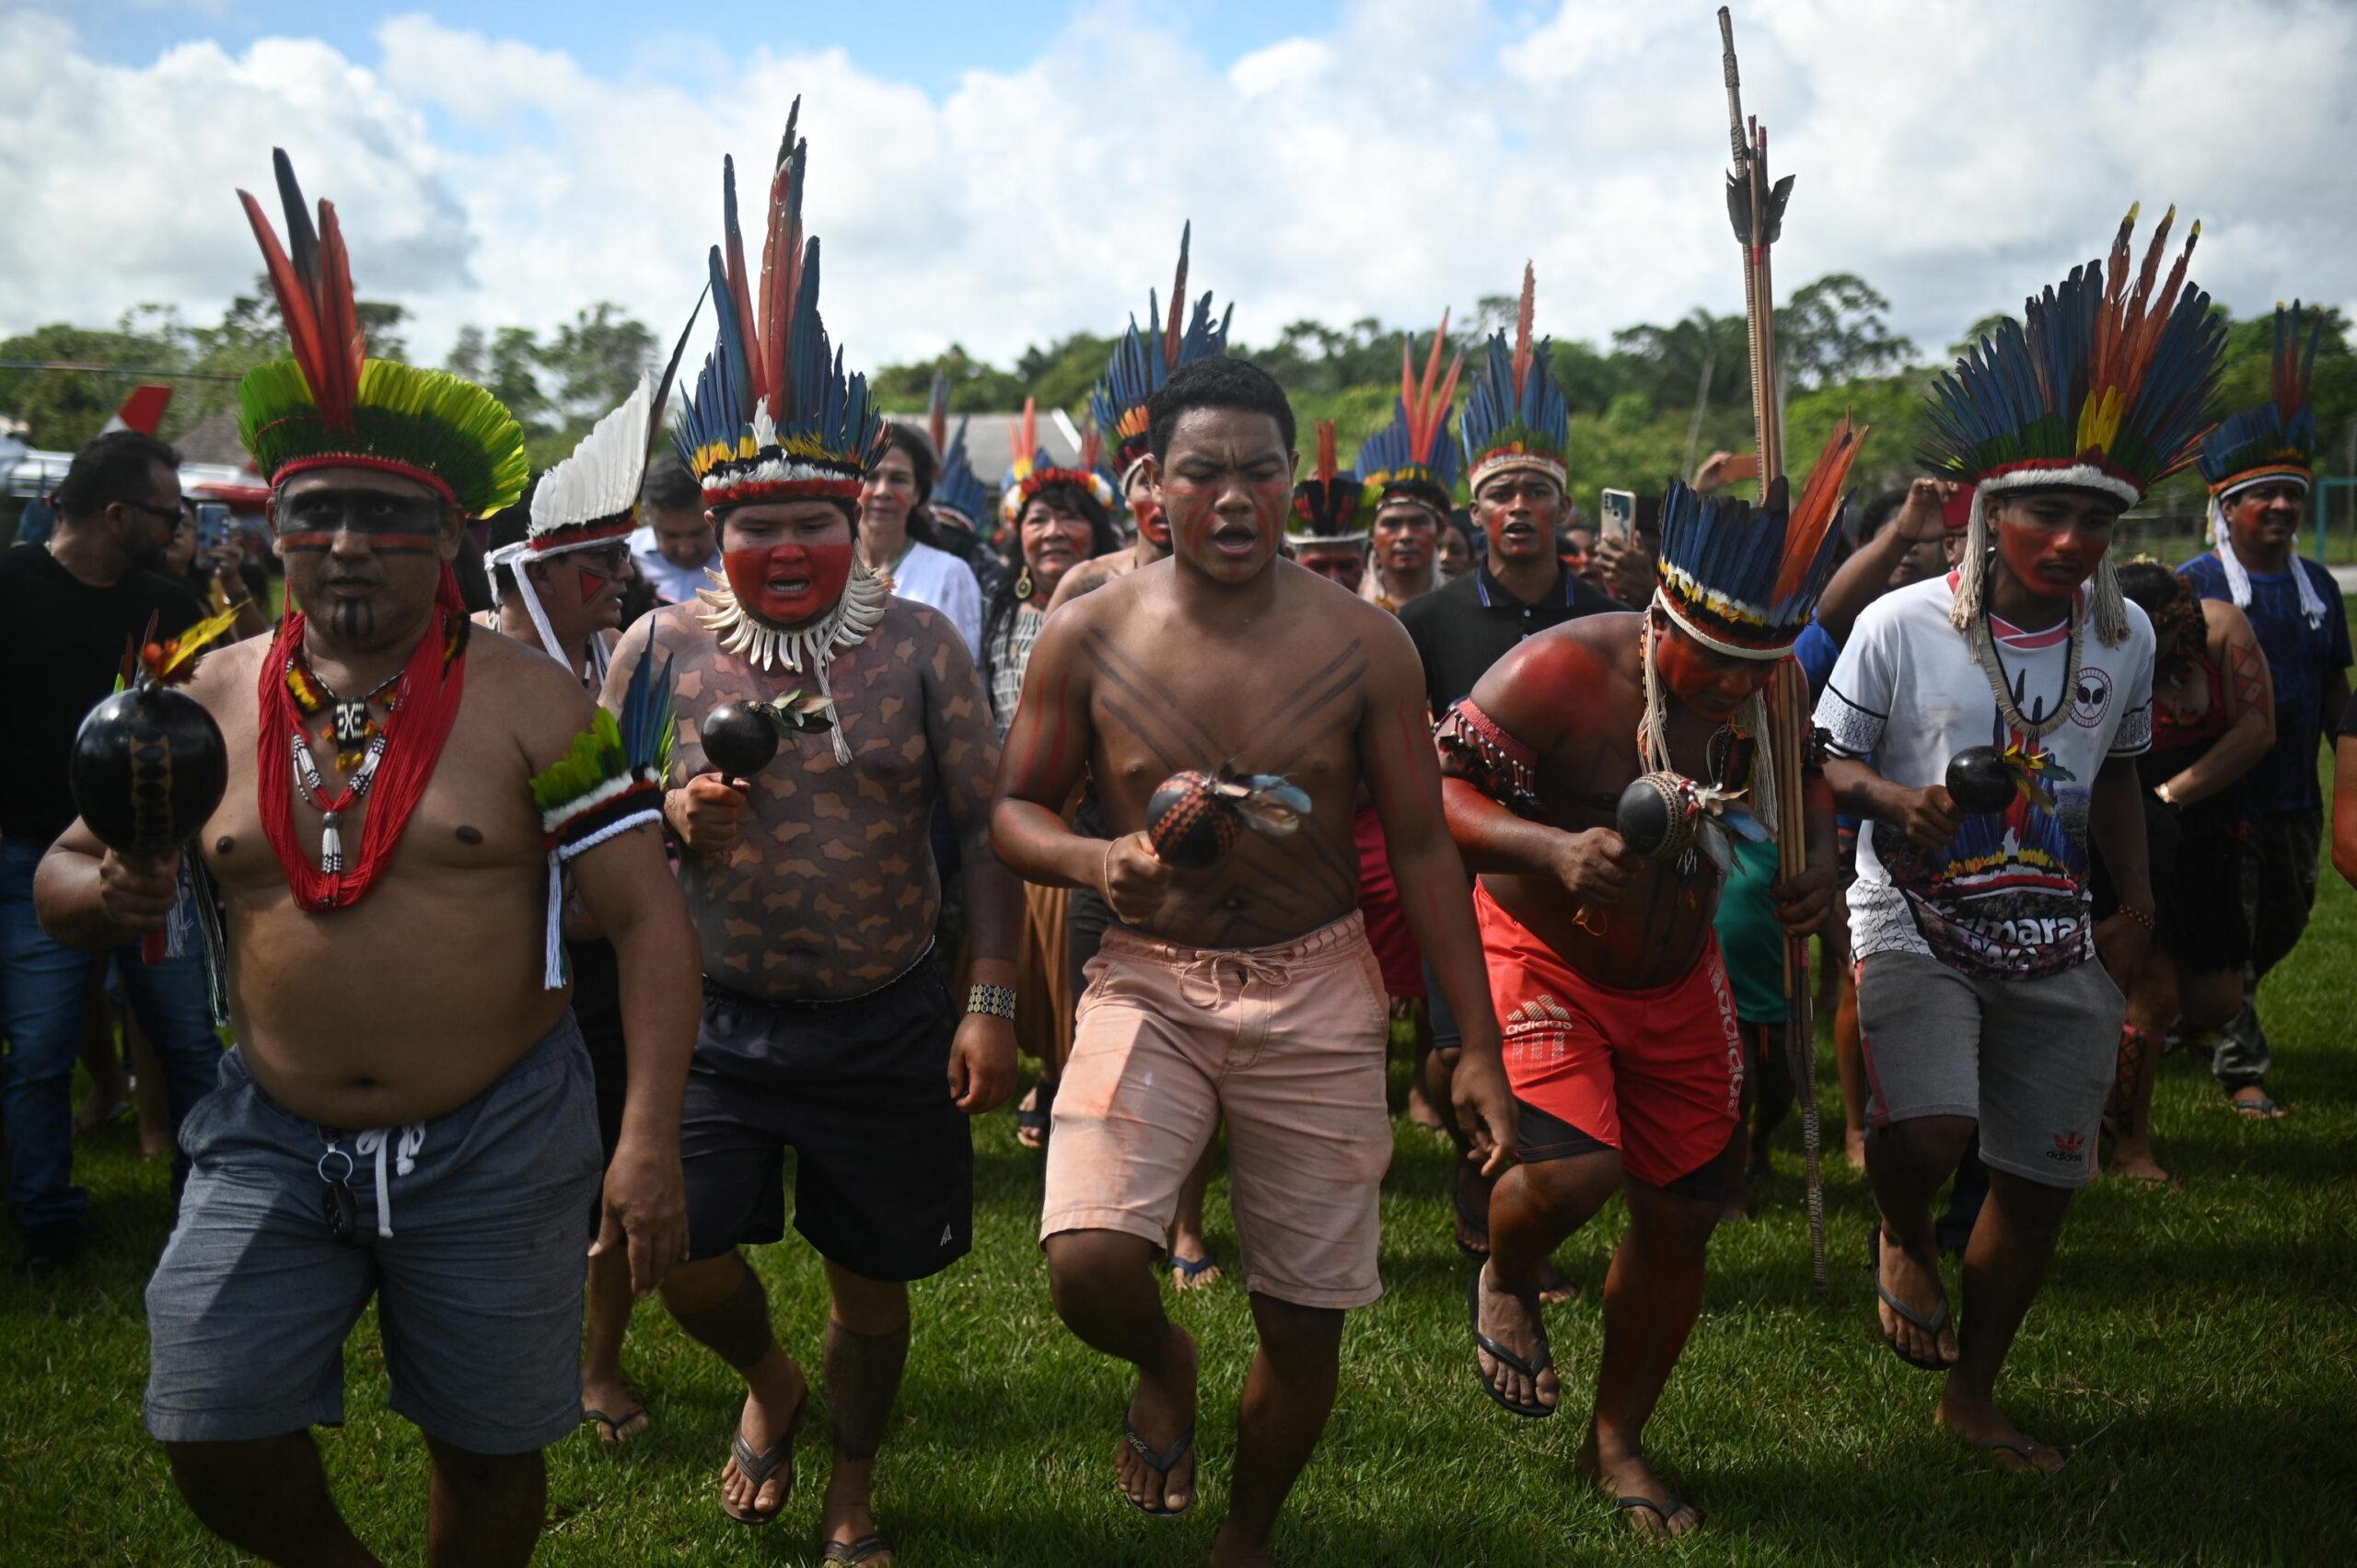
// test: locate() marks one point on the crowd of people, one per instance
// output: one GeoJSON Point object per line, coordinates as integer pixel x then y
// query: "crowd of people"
{"type": "Point", "coordinates": [783, 785]}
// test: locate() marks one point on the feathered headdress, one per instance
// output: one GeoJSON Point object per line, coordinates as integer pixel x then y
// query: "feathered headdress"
{"type": "Point", "coordinates": [958, 492]}
{"type": "Point", "coordinates": [1142, 362]}
{"type": "Point", "coordinates": [1412, 458]}
{"type": "Point", "coordinates": [2099, 387]}
{"type": "Point", "coordinates": [1034, 471]}
{"type": "Point", "coordinates": [1744, 580]}
{"type": "Point", "coordinates": [2274, 442]}
{"type": "Point", "coordinates": [773, 416]}
{"type": "Point", "coordinates": [1516, 416]}
{"type": "Point", "coordinates": [1326, 504]}
{"type": "Point", "coordinates": [2278, 438]}
{"type": "Point", "coordinates": [332, 406]}
{"type": "Point", "coordinates": [591, 497]}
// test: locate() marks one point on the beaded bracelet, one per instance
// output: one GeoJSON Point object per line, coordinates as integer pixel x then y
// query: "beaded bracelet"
{"type": "Point", "coordinates": [998, 1001]}
{"type": "Point", "coordinates": [2141, 918]}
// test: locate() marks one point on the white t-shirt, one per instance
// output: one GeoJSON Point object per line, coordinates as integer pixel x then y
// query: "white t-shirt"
{"type": "Point", "coordinates": [2008, 896]}
{"type": "Point", "coordinates": [938, 579]}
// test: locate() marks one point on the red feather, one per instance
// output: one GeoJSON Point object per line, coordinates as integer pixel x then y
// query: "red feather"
{"type": "Point", "coordinates": [295, 307]}
{"type": "Point", "coordinates": [1177, 302]}
{"type": "Point", "coordinates": [780, 278]}
{"type": "Point", "coordinates": [339, 317]}
{"type": "Point", "coordinates": [1327, 465]}
{"type": "Point", "coordinates": [1027, 442]}
{"type": "Point", "coordinates": [1522, 349]}
{"type": "Point", "coordinates": [1820, 502]}
{"type": "Point", "coordinates": [936, 416]}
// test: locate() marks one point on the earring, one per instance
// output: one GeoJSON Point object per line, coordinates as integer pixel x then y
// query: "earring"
{"type": "Point", "coordinates": [1023, 584]}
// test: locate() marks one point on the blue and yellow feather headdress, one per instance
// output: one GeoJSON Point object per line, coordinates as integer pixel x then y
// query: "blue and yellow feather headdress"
{"type": "Point", "coordinates": [958, 491]}
{"type": "Point", "coordinates": [1516, 416]}
{"type": "Point", "coordinates": [774, 417]}
{"type": "Point", "coordinates": [1744, 580]}
{"type": "Point", "coordinates": [1142, 362]}
{"type": "Point", "coordinates": [2278, 438]}
{"type": "Point", "coordinates": [1412, 458]}
{"type": "Point", "coordinates": [1326, 504]}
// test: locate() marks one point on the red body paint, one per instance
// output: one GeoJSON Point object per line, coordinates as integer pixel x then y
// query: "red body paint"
{"type": "Point", "coordinates": [826, 567]}
{"type": "Point", "coordinates": [383, 543]}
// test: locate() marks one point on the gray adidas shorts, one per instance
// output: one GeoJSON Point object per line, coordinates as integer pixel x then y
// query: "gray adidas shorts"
{"type": "Point", "coordinates": [478, 1286]}
{"type": "Point", "coordinates": [2030, 1060]}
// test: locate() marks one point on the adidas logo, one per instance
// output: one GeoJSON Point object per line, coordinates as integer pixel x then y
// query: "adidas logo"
{"type": "Point", "coordinates": [946, 1232]}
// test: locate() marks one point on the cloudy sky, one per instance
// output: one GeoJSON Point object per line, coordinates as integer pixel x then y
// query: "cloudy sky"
{"type": "Point", "coordinates": [999, 175]}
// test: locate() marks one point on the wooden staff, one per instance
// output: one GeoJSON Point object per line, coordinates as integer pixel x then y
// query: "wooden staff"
{"type": "Point", "coordinates": [1756, 206]}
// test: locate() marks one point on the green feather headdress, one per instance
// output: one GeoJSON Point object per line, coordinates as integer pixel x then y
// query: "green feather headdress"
{"type": "Point", "coordinates": [332, 405]}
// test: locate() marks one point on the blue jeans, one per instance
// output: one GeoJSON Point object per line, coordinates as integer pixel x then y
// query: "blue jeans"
{"type": "Point", "coordinates": [40, 1015]}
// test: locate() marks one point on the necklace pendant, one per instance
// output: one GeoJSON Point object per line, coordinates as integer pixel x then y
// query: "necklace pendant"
{"type": "Point", "coordinates": [331, 842]}
{"type": "Point", "coordinates": [351, 720]}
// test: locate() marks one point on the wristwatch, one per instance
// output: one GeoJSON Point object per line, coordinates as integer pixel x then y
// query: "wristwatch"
{"type": "Point", "coordinates": [998, 1001]}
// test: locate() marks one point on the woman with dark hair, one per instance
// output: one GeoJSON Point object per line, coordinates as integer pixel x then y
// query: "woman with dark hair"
{"type": "Point", "coordinates": [896, 538]}
{"type": "Point", "coordinates": [2213, 718]}
{"type": "Point", "coordinates": [1062, 523]}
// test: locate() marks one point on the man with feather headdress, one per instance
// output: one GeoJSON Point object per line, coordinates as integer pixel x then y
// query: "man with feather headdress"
{"type": "Point", "coordinates": [828, 1025]}
{"type": "Point", "coordinates": [1988, 1000]}
{"type": "Point", "coordinates": [409, 1112]}
{"type": "Point", "coordinates": [1619, 1026]}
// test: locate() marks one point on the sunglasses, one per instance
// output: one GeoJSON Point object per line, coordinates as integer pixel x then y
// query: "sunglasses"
{"type": "Point", "coordinates": [175, 514]}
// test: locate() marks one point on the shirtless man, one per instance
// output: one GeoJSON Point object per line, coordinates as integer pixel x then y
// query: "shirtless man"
{"type": "Point", "coordinates": [1244, 991]}
{"type": "Point", "coordinates": [409, 1110]}
{"type": "Point", "coordinates": [1621, 1039]}
{"type": "Point", "coordinates": [828, 1024]}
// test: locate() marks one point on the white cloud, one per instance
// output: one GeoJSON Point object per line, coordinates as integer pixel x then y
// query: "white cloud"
{"type": "Point", "coordinates": [1955, 154]}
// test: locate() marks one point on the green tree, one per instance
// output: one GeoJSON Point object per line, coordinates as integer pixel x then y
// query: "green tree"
{"type": "Point", "coordinates": [597, 360]}
{"type": "Point", "coordinates": [1833, 329]}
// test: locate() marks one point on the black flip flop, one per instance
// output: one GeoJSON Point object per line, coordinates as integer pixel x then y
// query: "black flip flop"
{"type": "Point", "coordinates": [1667, 1511]}
{"type": "Point", "coordinates": [757, 1467]}
{"type": "Point", "coordinates": [1530, 1369]}
{"type": "Point", "coordinates": [614, 1423]}
{"type": "Point", "coordinates": [1040, 1116]}
{"type": "Point", "coordinates": [1191, 1268]}
{"type": "Point", "coordinates": [856, 1551]}
{"type": "Point", "coordinates": [1934, 1325]}
{"type": "Point", "coordinates": [1162, 1463]}
{"type": "Point", "coordinates": [2024, 1450]}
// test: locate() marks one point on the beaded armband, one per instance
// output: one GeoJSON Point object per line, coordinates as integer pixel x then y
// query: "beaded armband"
{"type": "Point", "coordinates": [1473, 748]}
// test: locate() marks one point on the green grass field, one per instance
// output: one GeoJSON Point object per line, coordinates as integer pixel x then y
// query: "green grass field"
{"type": "Point", "coordinates": [2195, 1350]}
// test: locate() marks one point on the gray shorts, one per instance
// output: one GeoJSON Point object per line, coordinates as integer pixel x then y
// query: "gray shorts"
{"type": "Point", "coordinates": [2030, 1060]}
{"type": "Point", "coordinates": [479, 1285]}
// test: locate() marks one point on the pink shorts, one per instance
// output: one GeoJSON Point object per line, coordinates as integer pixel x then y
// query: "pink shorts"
{"type": "Point", "coordinates": [1284, 1042]}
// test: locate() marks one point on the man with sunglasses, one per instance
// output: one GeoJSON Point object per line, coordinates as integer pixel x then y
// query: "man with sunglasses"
{"type": "Point", "coordinates": [68, 607]}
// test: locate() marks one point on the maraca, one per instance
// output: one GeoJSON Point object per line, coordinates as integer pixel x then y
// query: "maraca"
{"type": "Point", "coordinates": [741, 738]}
{"type": "Point", "coordinates": [1194, 818]}
{"type": "Point", "coordinates": [1655, 818]}
{"type": "Point", "coordinates": [148, 767]}
{"type": "Point", "coordinates": [1980, 780]}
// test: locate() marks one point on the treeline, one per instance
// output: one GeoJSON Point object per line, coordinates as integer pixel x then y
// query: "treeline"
{"type": "Point", "coordinates": [1645, 407]}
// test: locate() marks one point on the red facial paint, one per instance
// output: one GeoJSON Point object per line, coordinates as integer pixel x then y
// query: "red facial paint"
{"type": "Point", "coordinates": [1712, 685]}
{"type": "Point", "coordinates": [2042, 558]}
{"type": "Point", "coordinates": [1151, 524]}
{"type": "Point", "coordinates": [824, 566]}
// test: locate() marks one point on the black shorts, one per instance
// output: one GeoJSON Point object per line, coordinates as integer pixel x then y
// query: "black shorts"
{"type": "Point", "coordinates": [859, 1090]}
{"type": "Point", "coordinates": [597, 1008]}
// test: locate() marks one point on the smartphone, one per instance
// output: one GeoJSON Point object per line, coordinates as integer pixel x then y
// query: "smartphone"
{"type": "Point", "coordinates": [1617, 514]}
{"type": "Point", "coordinates": [211, 526]}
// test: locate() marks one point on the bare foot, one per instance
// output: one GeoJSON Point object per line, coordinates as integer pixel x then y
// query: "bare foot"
{"type": "Point", "coordinates": [1639, 1495]}
{"type": "Point", "coordinates": [1984, 1427]}
{"type": "Point", "coordinates": [1913, 1276]}
{"type": "Point", "coordinates": [1160, 1412]}
{"type": "Point", "coordinates": [1233, 1551]}
{"type": "Point", "coordinates": [1514, 1321]}
{"type": "Point", "coordinates": [607, 1399]}
{"type": "Point", "coordinates": [1555, 1287]}
{"type": "Point", "coordinates": [100, 1106]}
{"type": "Point", "coordinates": [773, 1401]}
{"type": "Point", "coordinates": [2139, 1167]}
{"type": "Point", "coordinates": [1421, 1111]}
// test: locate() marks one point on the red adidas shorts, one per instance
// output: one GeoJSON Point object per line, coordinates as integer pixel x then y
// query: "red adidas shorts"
{"type": "Point", "coordinates": [1386, 923]}
{"type": "Point", "coordinates": [1657, 1074]}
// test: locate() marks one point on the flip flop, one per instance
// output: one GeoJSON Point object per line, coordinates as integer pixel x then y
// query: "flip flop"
{"type": "Point", "coordinates": [1189, 1269]}
{"type": "Point", "coordinates": [614, 1436]}
{"type": "Point", "coordinates": [1668, 1511]}
{"type": "Point", "coordinates": [1037, 1118]}
{"type": "Point", "coordinates": [2024, 1450]}
{"type": "Point", "coordinates": [1162, 1463]}
{"type": "Point", "coordinates": [1934, 1325]}
{"type": "Point", "coordinates": [856, 1551]}
{"type": "Point", "coordinates": [757, 1467]}
{"type": "Point", "coordinates": [2263, 1109]}
{"type": "Point", "coordinates": [1530, 1369]}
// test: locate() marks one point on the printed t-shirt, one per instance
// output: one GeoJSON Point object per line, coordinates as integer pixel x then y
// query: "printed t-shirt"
{"type": "Point", "coordinates": [2008, 896]}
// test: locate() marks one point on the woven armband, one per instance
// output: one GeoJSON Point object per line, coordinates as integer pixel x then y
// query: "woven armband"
{"type": "Point", "coordinates": [1473, 748]}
